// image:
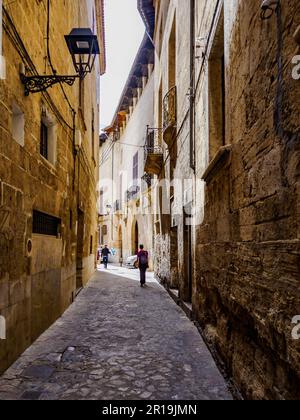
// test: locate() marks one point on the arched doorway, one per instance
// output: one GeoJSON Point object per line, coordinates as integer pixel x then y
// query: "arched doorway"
{"type": "Point", "coordinates": [136, 239]}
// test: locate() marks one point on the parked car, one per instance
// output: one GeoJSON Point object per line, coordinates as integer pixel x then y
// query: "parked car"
{"type": "Point", "coordinates": [132, 262]}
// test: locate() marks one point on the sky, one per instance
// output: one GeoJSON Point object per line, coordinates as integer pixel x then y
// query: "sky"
{"type": "Point", "coordinates": [124, 34]}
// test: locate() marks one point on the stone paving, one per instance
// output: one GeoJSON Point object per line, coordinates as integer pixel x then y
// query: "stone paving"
{"type": "Point", "coordinates": [117, 342]}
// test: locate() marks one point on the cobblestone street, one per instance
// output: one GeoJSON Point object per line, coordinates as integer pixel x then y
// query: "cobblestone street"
{"type": "Point", "coordinates": [117, 341]}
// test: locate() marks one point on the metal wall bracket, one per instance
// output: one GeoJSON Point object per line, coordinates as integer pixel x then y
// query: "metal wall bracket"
{"type": "Point", "coordinates": [35, 84]}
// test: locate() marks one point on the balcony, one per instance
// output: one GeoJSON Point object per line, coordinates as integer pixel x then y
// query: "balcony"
{"type": "Point", "coordinates": [132, 193]}
{"type": "Point", "coordinates": [170, 116]}
{"type": "Point", "coordinates": [154, 157]}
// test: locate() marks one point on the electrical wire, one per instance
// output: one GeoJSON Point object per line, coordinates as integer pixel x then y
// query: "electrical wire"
{"type": "Point", "coordinates": [16, 40]}
{"type": "Point", "coordinates": [50, 59]}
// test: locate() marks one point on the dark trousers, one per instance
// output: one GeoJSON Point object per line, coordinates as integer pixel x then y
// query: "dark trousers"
{"type": "Point", "coordinates": [105, 261]}
{"type": "Point", "coordinates": [143, 274]}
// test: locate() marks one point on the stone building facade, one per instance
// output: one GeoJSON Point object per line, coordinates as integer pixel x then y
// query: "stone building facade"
{"type": "Point", "coordinates": [174, 180]}
{"type": "Point", "coordinates": [227, 242]}
{"type": "Point", "coordinates": [246, 286]}
{"type": "Point", "coordinates": [126, 219]}
{"type": "Point", "coordinates": [49, 146]}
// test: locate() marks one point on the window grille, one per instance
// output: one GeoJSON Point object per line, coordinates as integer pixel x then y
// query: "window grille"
{"type": "Point", "coordinates": [44, 224]}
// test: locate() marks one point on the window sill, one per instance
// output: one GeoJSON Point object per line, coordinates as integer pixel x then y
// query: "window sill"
{"type": "Point", "coordinates": [221, 159]}
{"type": "Point", "coordinates": [47, 162]}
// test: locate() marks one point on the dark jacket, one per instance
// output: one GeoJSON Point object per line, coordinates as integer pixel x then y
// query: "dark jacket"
{"type": "Point", "coordinates": [105, 252]}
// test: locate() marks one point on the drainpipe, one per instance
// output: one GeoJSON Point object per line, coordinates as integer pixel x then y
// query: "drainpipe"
{"type": "Point", "coordinates": [2, 61]}
{"type": "Point", "coordinates": [192, 87]}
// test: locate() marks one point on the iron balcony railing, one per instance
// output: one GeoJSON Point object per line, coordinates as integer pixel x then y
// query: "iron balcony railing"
{"type": "Point", "coordinates": [170, 114]}
{"type": "Point", "coordinates": [153, 141]}
{"type": "Point", "coordinates": [132, 193]}
{"type": "Point", "coordinates": [153, 151]}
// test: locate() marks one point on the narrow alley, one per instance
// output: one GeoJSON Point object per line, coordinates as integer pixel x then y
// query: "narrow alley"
{"type": "Point", "coordinates": [117, 342]}
{"type": "Point", "coordinates": [160, 136]}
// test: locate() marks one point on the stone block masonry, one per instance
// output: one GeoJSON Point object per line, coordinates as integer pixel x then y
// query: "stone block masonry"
{"type": "Point", "coordinates": [38, 269]}
{"type": "Point", "coordinates": [239, 263]}
{"type": "Point", "coordinates": [247, 249]}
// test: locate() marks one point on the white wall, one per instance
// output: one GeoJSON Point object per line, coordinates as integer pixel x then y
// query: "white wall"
{"type": "Point", "coordinates": [133, 139]}
{"type": "Point", "coordinates": [119, 160]}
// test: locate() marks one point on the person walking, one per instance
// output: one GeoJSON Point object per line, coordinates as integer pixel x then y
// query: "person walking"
{"type": "Point", "coordinates": [105, 253]}
{"type": "Point", "coordinates": [143, 263]}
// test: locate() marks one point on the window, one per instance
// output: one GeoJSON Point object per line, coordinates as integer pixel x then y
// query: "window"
{"type": "Point", "coordinates": [18, 125]}
{"type": "Point", "coordinates": [93, 134]}
{"type": "Point", "coordinates": [91, 245]}
{"type": "Point", "coordinates": [121, 191]}
{"type": "Point", "coordinates": [71, 220]}
{"type": "Point", "coordinates": [48, 134]}
{"type": "Point", "coordinates": [44, 224]}
{"type": "Point", "coordinates": [172, 56]}
{"type": "Point", "coordinates": [104, 230]}
{"type": "Point", "coordinates": [217, 99]}
{"type": "Point", "coordinates": [44, 141]}
{"type": "Point", "coordinates": [160, 112]}
{"type": "Point", "coordinates": [101, 210]}
{"type": "Point", "coordinates": [135, 175]}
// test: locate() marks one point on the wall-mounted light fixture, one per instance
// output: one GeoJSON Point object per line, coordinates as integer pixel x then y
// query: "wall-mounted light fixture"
{"type": "Point", "coordinates": [83, 47]}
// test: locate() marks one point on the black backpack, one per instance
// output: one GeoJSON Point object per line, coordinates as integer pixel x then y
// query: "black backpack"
{"type": "Point", "coordinates": [143, 259]}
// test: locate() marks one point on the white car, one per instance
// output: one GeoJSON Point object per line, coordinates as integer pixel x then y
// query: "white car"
{"type": "Point", "coordinates": [132, 262]}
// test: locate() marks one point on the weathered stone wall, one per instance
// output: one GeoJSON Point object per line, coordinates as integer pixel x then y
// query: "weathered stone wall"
{"type": "Point", "coordinates": [247, 248]}
{"type": "Point", "coordinates": [171, 267]}
{"type": "Point", "coordinates": [38, 284]}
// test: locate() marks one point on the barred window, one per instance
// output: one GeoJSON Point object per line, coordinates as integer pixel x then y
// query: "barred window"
{"type": "Point", "coordinates": [44, 224]}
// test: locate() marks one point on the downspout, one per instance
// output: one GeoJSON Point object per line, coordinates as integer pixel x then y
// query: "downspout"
{"type": "Point", "coordinates": [192, 86]}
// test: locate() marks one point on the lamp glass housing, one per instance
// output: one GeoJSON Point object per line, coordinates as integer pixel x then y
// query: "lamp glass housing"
{"type": "Point", "coordinates": [84, 47]}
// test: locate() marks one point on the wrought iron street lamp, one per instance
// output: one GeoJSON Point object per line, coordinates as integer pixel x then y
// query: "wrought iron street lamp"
{"type": "Point", "coordinates": [83, 47]}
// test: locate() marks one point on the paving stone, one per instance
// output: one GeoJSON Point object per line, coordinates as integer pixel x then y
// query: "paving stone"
{"type": "Point", "coordinates": [31, 395]}
{"type": "Point", "coordinates": [38, 372]}
{"type": "Point", "coordinates": [147, 350]}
